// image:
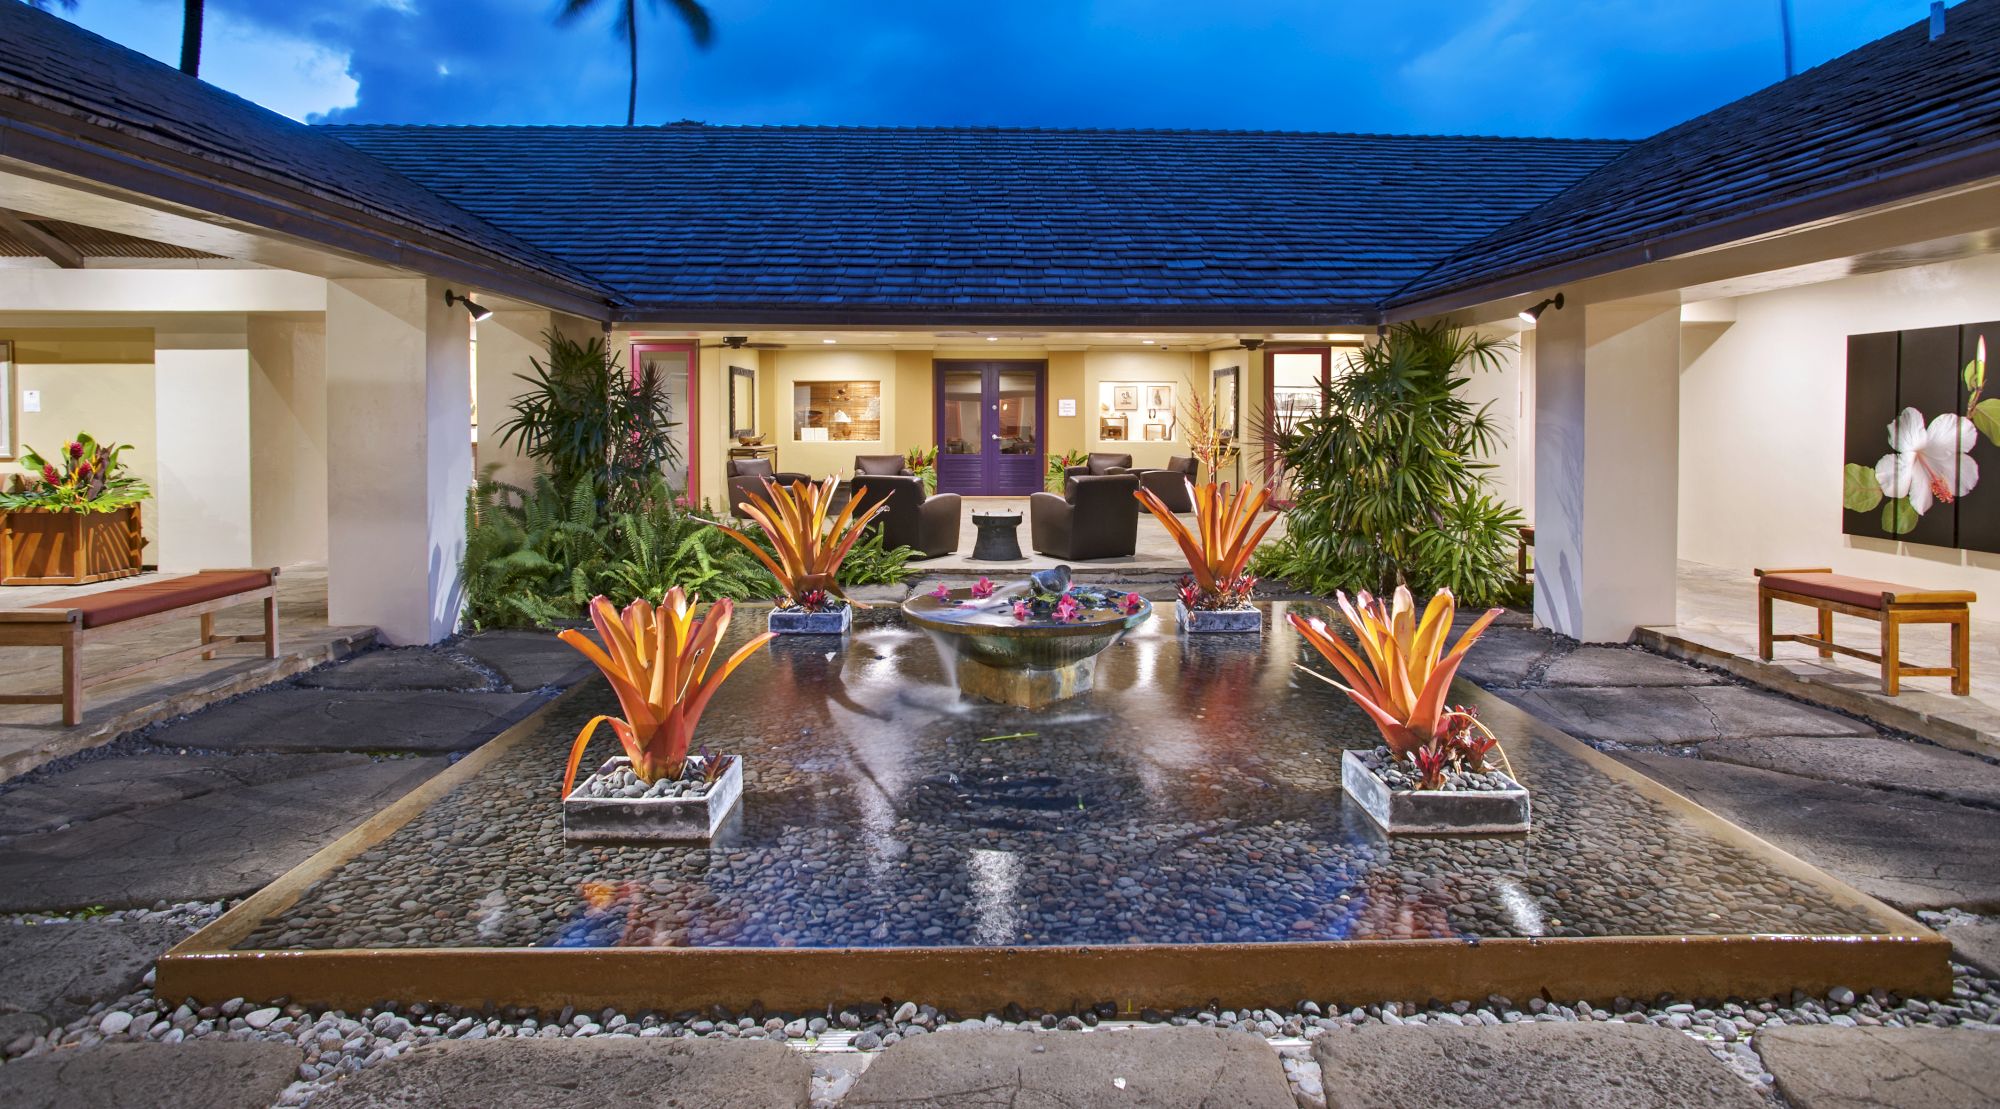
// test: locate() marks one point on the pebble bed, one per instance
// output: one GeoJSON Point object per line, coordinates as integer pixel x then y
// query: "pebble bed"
{"type": "Point", "coordinates": [336, 1044]}
{"type": "Point", "coordinates": [1404, 776]}
{"type": "Point", "coordinates": [1192, 797]}
{"type": "Point", "coordinates": [621, 782]}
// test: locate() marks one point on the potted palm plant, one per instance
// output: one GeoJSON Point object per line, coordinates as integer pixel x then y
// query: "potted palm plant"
{"type": "Point", "coordinates": [805, 552]}
{"type": "Point", "coordinates": [1440, 770]}
{"type": "Point", "coordinates": [1215, 595]}
{"type": "Point", "coordinates": [659, 663]}
{"type": "Point", "coordinates": [74, 520]}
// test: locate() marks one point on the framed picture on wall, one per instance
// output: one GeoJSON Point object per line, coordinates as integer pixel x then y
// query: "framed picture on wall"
{"type": "Point", "coordinates": [1125, 398]}
{"type": "Point", "coordinates": [1159, 396]}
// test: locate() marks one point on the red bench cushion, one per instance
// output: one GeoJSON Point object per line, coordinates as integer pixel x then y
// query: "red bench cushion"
{"type": "Point", "coordinates": [1859, 592]}
{"type": "Point", "coordinates": [115, 606]}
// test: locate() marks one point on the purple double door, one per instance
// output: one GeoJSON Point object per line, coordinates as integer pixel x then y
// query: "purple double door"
{"type": "Point", "coordinates": [990, 428]}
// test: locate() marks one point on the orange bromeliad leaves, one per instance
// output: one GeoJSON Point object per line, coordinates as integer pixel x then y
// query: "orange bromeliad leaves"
{"type": "Point", "coordinates": [658, 662]}
{"type": "Point", "coordinates": [809, 553]}
{"type": "Point", "coordinates": [1398, 671]}
{"type": "Point", "coordinates": [1225, 533]}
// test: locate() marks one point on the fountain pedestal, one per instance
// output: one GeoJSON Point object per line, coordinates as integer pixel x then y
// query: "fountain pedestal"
{"type": "Point", "coordinates": [1030, 689]}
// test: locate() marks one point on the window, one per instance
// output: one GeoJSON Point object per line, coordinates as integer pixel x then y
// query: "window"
{"type": "Point", "coordinates": [1136, 410]}
{"type": "Point", "coordinates": [836, 411]}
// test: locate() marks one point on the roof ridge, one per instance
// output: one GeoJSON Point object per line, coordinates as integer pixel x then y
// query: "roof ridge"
{"type": "Point", "coordinates": [690, 126]}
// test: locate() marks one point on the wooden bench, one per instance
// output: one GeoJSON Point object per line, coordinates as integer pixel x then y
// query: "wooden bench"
{"type": "Point", "coordinates": [73, 623]}
{"type": "Point", "coordinates": [1890, 605]}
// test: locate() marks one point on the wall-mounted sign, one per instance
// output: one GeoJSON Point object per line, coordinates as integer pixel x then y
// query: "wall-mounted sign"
{"type": "Point", "coordinates": [1066, 406]}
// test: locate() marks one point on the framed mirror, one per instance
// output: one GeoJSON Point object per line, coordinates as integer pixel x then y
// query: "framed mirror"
{"type": "Point", "coordinates": [742, 401]}
{"type": "Point", "coordinates": [1223, 396]}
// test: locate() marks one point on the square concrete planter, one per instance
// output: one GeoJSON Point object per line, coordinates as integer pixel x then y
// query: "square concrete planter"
{"type": "Point", "coordinates": [1201, 620]}
{"type": "Point", "coordinates": [795, 622]}
{"type": "Point", "coordinates": [1433, 811]}
{"type": "Point", "coordinates": [650, 819]}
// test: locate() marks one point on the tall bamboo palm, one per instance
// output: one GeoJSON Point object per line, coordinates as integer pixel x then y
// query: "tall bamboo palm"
{"type": "Point", "coordinates": [700, 28]}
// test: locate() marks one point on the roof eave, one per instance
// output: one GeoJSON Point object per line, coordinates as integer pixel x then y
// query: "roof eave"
{"type": "Point", "coordinates": [1943, 175]}
{"type": "Point", "coordinates": [188, 183]}
{"type": "Point", "coordinates": [1253, 317]}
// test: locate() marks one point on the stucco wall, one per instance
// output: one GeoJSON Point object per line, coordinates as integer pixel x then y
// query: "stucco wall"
{"type": "Point", "coordinates": [787, 368]}
{"type": "Point", "coordinates": [1762, 403]}
{"type": "Point", "coordinates": [288, 448]}
{"type": "Point", "coordinates": [1177, 368]}
{"type": "Point", "coordinates": [98, 380]}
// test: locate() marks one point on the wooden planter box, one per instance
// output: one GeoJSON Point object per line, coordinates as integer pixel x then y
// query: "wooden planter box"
{"type": "Point", "coordinates": [39, 547]}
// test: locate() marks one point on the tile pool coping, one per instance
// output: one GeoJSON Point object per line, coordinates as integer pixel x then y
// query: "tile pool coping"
{"type": "Point", "coordinates": [1903, 957]}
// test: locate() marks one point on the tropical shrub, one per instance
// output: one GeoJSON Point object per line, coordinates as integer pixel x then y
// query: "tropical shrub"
{"type": "Point", "coordinates": [658, 661]}
{"type": "Point", "coordinates": [1226, 531]}
{"type": "Point", "coordinates": [800, 548]}
{"type": "Point", "coordinates": [584, 418]}
{"type": "Point", "coordinates": [922, 461]}
{"type": "Point", "coordinates": [1053, 479]}
{"type": "Point", "coordinates": [91, 478]}
{"type": "Point", "coordinates": [1399, 673]}
{"type": "Point", "coordinates": [1387, 482]}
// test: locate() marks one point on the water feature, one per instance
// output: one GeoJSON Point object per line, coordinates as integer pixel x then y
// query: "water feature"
{"type": "Point", "coordinates": [1031, 643]}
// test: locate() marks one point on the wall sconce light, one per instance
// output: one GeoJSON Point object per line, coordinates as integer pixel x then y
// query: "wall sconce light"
{"type": "Point", "coordinates": [478, 311]}
{"type": "Point", "coordinates": [1530, 315]}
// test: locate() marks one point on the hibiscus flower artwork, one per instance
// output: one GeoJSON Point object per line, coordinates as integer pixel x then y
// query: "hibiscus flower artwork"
{"type": "Point", "coordinates": [1928, 464]}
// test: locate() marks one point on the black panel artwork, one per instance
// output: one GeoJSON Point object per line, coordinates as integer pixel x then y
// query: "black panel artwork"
{"type": "Point", "coordinates": [1921, 424]}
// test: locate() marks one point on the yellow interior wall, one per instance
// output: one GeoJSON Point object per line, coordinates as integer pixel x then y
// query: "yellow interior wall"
{"type": "Point", "coordinates": [1159, 366]}
{"type": "Point", "coordinates": [916, 416]}
{"type": "Point", "coordinates": [787, 368]}
{"type": "Point", "coordinates": [1067, 433]}
{"type": "Point", "coordinates": [1239, 360]}
{"type": "Point", "coordinates": [98, 380]}
{"type": "Point", "coordinates": [715, 432]}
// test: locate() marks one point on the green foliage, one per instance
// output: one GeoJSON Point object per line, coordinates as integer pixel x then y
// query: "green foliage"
{"type": "Point", "coordinates": [1899, 516]}
{"type": "Point", "coordinates": [1861, 490]}
{"type": "Point", "coordinates": [585, 419]}
{"type": "Point", "coordinates": [1388, 481]}
{"type": "Point", "coordinates": [91, 477]}
{"type": "Point", "coordinates": [535, 557]}
{"type": "Point", "coordinates": [922, 461]}
{"type": "Point", "coordinates": [1053, 479]}
{"type": "Point", "coordinates": [1986, 417]}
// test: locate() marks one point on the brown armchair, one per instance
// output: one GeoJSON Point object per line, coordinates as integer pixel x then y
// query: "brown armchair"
{"type": "Point", "coordinates": [927, 524]}
{"type": "Point", "coordinates": [1098, 517]}
{"type": "Point", "coordinates": [880, 465]}
{"type": "Point", "coordinates": [1170, 482]}
{"type": "Point", "coordinates": [746, 476]}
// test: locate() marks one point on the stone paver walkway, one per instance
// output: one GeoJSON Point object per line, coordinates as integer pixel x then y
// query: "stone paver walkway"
{"type": "Point", "coordinates": [217, 804]}
{"type": "Point", "coordinates": [1866, 1068]}
{"type": "Point", "coordinates": [1907, 822]}
{"type": "Point", "coordinates": [683, 1074]}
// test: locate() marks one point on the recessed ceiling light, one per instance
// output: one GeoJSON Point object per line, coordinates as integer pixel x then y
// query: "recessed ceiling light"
{"type": "Point", "coordinates": [829, 342]}
{"type": "Point", "coordinates": [993, 338]}
{"type": "Point", "coordinates": [1148, 342]}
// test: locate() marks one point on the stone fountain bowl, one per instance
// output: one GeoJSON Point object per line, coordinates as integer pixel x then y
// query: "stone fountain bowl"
{"type": "Point", "coordinates": [1034, 645]}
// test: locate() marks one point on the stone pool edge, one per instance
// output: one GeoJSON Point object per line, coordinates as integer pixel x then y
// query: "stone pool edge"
{"type": "Point", "coordinates": [1906, 957]}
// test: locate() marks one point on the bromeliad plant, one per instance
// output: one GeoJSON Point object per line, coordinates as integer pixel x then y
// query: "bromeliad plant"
{"type": "Point", "coordinates": [659, 663]}
{"type": "Point", "coordinates": [1053, 479]}
{"type": "Point", "coordinates": [806, 552]}
{"type": "Point", "coordinates": [1226, 531]}
{"type": "Point", "coordinates": [922, 461]}
{"type": "Point", "coordinates": [87, 476]}
{"type": "Point", "coordinates": [1399, 673]}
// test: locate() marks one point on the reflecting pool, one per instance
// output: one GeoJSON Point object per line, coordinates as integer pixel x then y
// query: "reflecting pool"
{"type": "Point", "coordinates": [1192, 796]}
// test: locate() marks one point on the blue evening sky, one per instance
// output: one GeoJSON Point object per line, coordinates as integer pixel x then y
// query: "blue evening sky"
{"type": "Point", "coordinates": [1610, 68]}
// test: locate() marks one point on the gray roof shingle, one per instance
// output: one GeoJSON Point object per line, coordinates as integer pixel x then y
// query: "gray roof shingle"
{"type": "Point", "coordinates": [62, 84]}
{"type": "Point", "coordinates": [894, 222]}
{"type": "Point", "coordinates": [1897, 106]}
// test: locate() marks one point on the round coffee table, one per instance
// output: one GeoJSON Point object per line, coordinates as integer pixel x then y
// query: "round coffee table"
{"type": "Point", "coordinates": [996, 541]}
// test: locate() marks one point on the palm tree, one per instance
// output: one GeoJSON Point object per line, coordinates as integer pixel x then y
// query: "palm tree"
{"type": "Point", "coordinates": [699, 26]}
{"type": "Point", "coordinates": [191, 12]}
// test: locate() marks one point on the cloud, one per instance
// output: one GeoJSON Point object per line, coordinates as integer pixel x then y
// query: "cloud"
{"type": "Point", "coordinates": [1545, 67]}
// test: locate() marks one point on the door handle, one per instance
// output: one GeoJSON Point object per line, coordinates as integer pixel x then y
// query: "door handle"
{"type": "Point", "coordinates": [995, 438]}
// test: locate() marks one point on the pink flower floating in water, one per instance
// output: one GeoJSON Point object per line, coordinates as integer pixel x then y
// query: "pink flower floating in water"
{"type": "Point", "coordinates": [941, 593]}
{"type": "Point", "coordinates": [1131, 603]}
{"type": "Point", "coordinates": [1067, 609]}
{"type": "Point", "coordinates": [1021, 610]}
{"type": "Point", "coordinates": [983, 589]}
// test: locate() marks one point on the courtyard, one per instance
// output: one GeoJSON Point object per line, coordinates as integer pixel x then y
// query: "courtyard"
{"type": "Point", "coordinates": [1162, 633]}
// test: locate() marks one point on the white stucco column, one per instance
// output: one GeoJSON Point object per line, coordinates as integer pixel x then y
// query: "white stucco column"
{"type": "Point", "coordinates": [399, 418]}
{"type": "Point", "coordinates": [1607, 419]}
{"type": "Point", "coordinates": [201, 510]}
